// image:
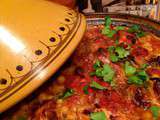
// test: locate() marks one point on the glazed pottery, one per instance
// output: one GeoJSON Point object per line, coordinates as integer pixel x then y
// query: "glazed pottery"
{"type": "Point", "coordinates": [36, 37]}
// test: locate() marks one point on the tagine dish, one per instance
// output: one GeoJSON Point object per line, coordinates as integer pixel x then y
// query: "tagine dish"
{"type": "Point", "coordinates": [114, 74]}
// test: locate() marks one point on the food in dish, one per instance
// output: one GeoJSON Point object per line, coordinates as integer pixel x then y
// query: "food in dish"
{"type": "Point", "coordinates": [114, 74]}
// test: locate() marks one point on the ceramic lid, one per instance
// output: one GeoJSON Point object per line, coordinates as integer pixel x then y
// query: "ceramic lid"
{"type": "Point", "coordinates": [36, 37]}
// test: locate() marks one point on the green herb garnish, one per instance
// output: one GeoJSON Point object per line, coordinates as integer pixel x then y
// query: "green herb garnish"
{"type": "Point", "coordinates": [135, 76]}
{"type": "Point", "coordinates": [108, 21]}
{"type": "Point", "coordinates": [85, 89]}
{"type": "Point", "coordinates": [122, 53]}
{"type": "Point", "coordinates": [139, 78]}
{"type": "Point", "coordinates": [134, 28]}
{"type": "Point", "coordinates": [137, 30]}
{"type": "Point", "coordinates": [97, 86]}
{"type": "Point", "coordinates": [108, 73]}
{"type": "Point", "coordinates": [98, 116]}
{"type": "Point", "coordinates": [129, 70]}
{"type": "Point", "coordinates": [104, 71]}
{"type": "Point", "coordinates": [135, 80]}
{"type": "Point", "coordinates": [107, 30]}
{"type": "Point", "coordinates": [142, 75]}
{"type": "Point", "coordinates": [113, 57]}
{"type": "Point", "coordinates": [119, 28]}
{"type": "Point", "coordinates": [155, 111]}
{"type": "Point", "coordinates": [117, 41]}
{"type": "Point", "coordinates": [111, 48]}
{"type": "Point", "coordinates": [144, 66]}
{"type": "Point", "coordinates": [68, 93]}
{"type": "Point", "coordinates": [117, 53]}
{"type": "Point", "coordinates": [140, 34]}
{"type": "Point", "coordinates": [97, 64]}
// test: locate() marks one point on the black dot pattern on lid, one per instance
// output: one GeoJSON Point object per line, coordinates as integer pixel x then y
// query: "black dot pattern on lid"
{"type": "Point", "coordinates": [62, 28]}
{"type": "Point", "coordinates": [38, 52]}
{"type": "Point", "coordinates": [67, 20]}
{"type": "Point", "coordinates": [19, 68]}
{"type": "Point", "coordinates": [3, 81]}
{"type": "Point", "coordinates": [52, 39]}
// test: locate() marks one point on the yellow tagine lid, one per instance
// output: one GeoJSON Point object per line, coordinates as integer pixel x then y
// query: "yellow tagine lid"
{"type": "Point", "coordinates": [36, 37]}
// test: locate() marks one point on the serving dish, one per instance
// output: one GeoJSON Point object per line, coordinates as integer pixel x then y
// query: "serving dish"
{"type": "Point", "coordinates": [20, 79]}
{"type": "Point", "coordinates": [147, 24]}
{"type": "Point", "coordinates": [94, 20]}
{"type": "Point", "coordinates": [36, 37]}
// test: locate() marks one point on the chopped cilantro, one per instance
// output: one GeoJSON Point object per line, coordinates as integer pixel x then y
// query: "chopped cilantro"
{"type": "Point", "coordinates": [135, 80]}
{"type": "Point", "coordinates": [140, 34]}
{"type": "Point", "coordinates": [97, 86]}
{"type": "Point", "coordinates": [117, 53]}
{"type": "Point", "coordinates": [129, 70]}
{"type": "Point", "coordinates": [113, 84]}
{"type": "Point", "coordinates": [155, 111]}
{"type": "Point", "coordinates": [119, 28]}
{"type": "Point", "coordinates": [108, 32]}
{"type": "Point", "coordinates": [122, 53]}
{"type": "Point", "coordinates": [99, 72]}
{"type": "Point", "coordinates": [109, 77]}
{"type": "Point", "coordinates": [68, 93]}
{"type": "Point", "coordinates": [134, 28]}
{"type": "Point", "coordinates": [98, 116]}
{"type": "Point", "coordinates": [113, 57]}
{"type": "Point", "coordinates": [117, 41]}
{"type": "Point", "coordinates": [137, 30]}
{"type": "Point", "coordinates": [85, 89]}
{"type": "Point", "coordinates": [111, 48]}
{"type": "Point", "coordinates": [142, 75]}
{"type": "Point", "coordinates": [139, 78]}
{"type": "Point", "coordinates": [111, 33]}
{"type": "Point", "coordinates": [136, 76]}
{"type": "Point", "coordinates": [108, 21]}
{"type": "Point", "coordinates": [104, 71]}
{"type": "Point", "coordinates": [97, 64]}
{"type": "Point", "coordinates": [144, 66]}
